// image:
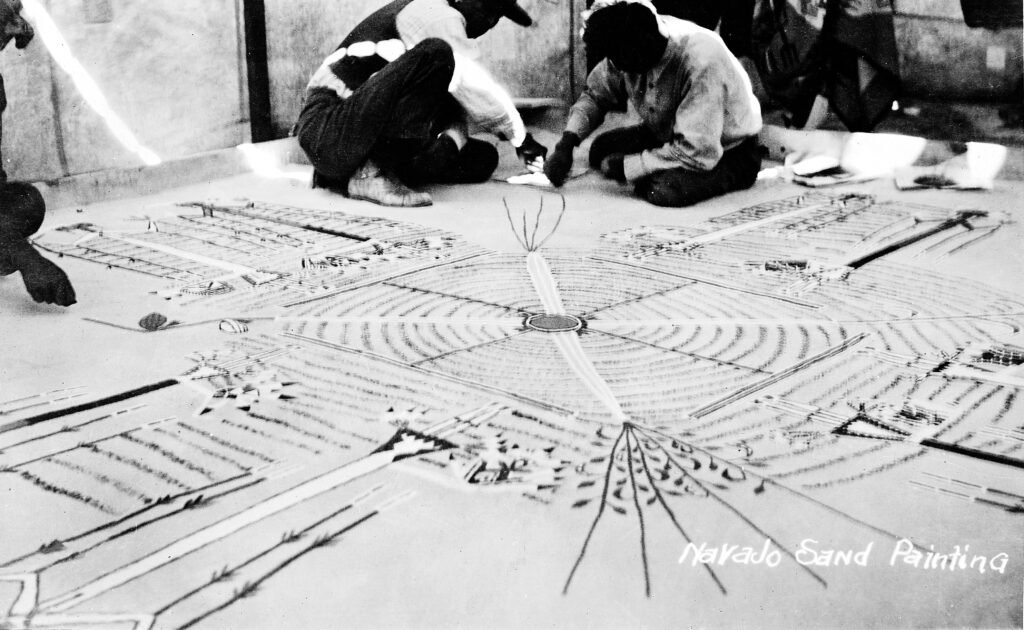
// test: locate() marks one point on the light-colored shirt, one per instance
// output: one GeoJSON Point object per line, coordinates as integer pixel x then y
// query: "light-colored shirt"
{"type": "Point", "coordinates": [487, 104]}
{"type": "Point", "coordinates": [697, 100]}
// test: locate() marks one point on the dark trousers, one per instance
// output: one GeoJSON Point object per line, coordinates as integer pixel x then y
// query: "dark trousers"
{"type": "Point", "coordinates": [678, 187]}
{"type": "Point", "coordinates": [392, 113]}
{"type": "Point", "coordinates": [3, 106]}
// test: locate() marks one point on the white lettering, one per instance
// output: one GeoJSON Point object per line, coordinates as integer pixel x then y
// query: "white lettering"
{"type": "Point", "coordinates": [861, 557]}
{"type": "Point", "coordinates": [698, 553]}
{"type": "Point", "coordinates": [905, 549]}
{"type": "Point", "coordinates": [998, 562]}
{"type": "Point", "coordinates": [729, 553]}
{"type": "Point", "coordinates": [808, 554]}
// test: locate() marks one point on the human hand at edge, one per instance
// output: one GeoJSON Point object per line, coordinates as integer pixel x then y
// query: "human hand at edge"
{"type": "Point", "coordinates": [45, 281]}
{"type": "Point", "coordinates": [559, 162]}
{"type": "Point", "coordinates": [532, 153]}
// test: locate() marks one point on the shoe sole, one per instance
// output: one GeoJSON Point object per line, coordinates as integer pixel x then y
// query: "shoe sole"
{"type": "Point", "coordinates": [387, 205]}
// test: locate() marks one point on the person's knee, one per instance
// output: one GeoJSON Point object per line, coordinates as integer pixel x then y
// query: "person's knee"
{"type": "Point", "coordinates": [625, 140]}
{"type": "Point", "coordinates": [435, 50]}
{"type": "Point", "coordinates": [23, 207]}
{"type": "Point", "coordinates": [743, 164]}
{"type": "Point", "coordinates": [748, 176]}
{"type": "Point", "coordinates": [600, 148]}
{"type": "Point", "coordinates": [477, 161]}
{"type": "Point", "coordinates": [434, 63]}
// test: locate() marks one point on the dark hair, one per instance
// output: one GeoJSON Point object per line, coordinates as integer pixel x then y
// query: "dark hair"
{"type": "Point", "coordinates": [618, 28]}
{"type": "Point", "coordinates": [23, 204]}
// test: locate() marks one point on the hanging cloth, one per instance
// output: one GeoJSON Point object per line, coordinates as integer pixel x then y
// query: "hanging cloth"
{"type": "Point", "coordinates": [863, 78]}
{"type": "Point", "coordinates": [788, 50]}
{"type": "Point", "coordinates": [843, 49]}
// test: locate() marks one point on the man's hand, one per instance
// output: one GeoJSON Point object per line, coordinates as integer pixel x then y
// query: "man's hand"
{"type": "Point", "coordinates": [613, 168]}
{"type": "Point", "coordinates": [559, 163]}
{"type": "Point", "coordinates": [45, 281]}
{"type": "Point", "coordinates": [532, 153]}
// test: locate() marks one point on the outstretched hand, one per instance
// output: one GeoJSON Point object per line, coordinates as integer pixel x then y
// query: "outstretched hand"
{"type": "Point", "coordinates": [559, 164]}
{"type": "Point", "coordinates": [532, 153]}
{"type": "Point", "coordinates": [45, 281]}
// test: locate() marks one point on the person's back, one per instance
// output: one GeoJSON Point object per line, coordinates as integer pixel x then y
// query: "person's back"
{"type": "Point", "coordinates": [355, 67]}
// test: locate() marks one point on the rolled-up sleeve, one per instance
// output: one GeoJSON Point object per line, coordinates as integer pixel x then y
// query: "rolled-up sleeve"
{"type": "Point", "coordinates": [486, 103]}
{"type": "Point", "coordinates": [606, 91]}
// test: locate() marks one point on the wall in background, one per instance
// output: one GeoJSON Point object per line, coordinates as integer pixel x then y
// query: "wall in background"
{"type": "Point", "coordinates": [942, 58]}
{"type": "Point", "coordinates": [173, 70]}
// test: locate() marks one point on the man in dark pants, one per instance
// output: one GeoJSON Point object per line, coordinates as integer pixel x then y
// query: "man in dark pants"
{"type": "Point", "coordinates": [390, 108]}
{"type": "Point", "coordinates": [12, 26]}
{"type": "Point", "coordinates": [700, 118]}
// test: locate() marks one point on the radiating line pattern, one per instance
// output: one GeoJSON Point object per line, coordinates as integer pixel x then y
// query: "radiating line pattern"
{"type": "Point", "coordinates": [724, 359]}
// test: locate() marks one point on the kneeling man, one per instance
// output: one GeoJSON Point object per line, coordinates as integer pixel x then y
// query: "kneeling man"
{"type": "Point", "coordinates": [700, 118]}
{"type": "Point", "coordinates": [390, 108]}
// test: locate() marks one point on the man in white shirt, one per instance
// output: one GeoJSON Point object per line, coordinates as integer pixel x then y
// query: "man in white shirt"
{"type": "Point", "coordinates": [390, 108]}
{"type": "Point", "coordinates": [699, 117]}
